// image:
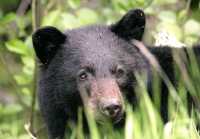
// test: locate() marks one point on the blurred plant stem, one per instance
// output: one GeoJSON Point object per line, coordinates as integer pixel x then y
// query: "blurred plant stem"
{"type": "Point", "coordinates": [23, 7]}
{"type": "Point", "coordinates": [36, 14]}
{"type": "Point", "coordinates": [35, 25]}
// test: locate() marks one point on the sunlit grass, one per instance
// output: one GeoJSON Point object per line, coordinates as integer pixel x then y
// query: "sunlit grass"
{"type": "Point", "coordinates": [145, 122]}
{"type": "Point", "coordinates": [142, 122]}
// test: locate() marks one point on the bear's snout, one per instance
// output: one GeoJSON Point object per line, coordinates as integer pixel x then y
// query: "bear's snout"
{"type": "Point", "coordinates": [112, 109]}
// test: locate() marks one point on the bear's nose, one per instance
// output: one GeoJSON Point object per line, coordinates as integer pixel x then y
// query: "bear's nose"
{"type": "Point", "coordinates": [112, 110]}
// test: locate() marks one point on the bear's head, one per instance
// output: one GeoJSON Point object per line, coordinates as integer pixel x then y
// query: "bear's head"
{"type": "Point", "coordinates": [93, 64]}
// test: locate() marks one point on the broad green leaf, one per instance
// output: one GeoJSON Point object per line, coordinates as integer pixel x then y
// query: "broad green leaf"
{"type": "Point", "coordinates": [182, 15]}
{"type": "Point", "coordinates": [28, 71]}
{"type": "Point", "coordinates": [192, 27]}
{"type": "Point", "coordinates": [26, 91]}
{"type": "Point", "coordinates": [74, 4]}
{"type": "Point", "coordinates": [167, 17]}
{"type": "Point", "coordinates": [17, 46]}
{"type": "Point", "coordinates": [51, 18]}
{"type": "Point", "coordinates": [87, 16]}
{"type": "Point", "coordinates": [171, 28]}
{"type": "Point", "coordinates": [22, 79]}
{"type": "Point", "coordinates": [7, 19]}
{"type": "Point", "coordinates": [29, 65]}
{"type": "Point", "coordinates": [68, 21]}
{"type": "Point", "coordinates": [28, 61]}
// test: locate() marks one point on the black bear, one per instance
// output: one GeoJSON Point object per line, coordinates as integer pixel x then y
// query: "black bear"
{"type": "Point", "coordinates": [93, 66]}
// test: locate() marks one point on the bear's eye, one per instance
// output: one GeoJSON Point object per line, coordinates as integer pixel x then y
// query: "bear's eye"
{"type": "Point", "coordinates": [119, 72]}
{"type": "Point", "coordinates": [83, 75]}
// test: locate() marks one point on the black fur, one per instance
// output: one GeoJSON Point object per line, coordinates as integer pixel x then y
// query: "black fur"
{"type": "Point", "coordinates": [46, 41]}
{"type": "Point", "coordinates": [131, 25]}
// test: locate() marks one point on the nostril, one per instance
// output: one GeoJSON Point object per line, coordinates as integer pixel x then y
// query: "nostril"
{"type": "Point", "coordinates": [112, 110]}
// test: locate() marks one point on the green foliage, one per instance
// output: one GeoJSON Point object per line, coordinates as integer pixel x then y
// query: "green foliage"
{"type": "Point", "coordinates": [11, 119]}
{"type": "Point", "coordinates": [7, 19]}
{"type": "Point", "coordinates": [17, 47]}
{"type": "Point", "coordinates": [26, 55]}
{"type": "Point", "coordinates": [63, 20]}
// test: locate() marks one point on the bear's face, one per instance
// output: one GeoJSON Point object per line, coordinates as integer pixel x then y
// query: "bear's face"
{"type": "Point", "coordinates": [96, 62]}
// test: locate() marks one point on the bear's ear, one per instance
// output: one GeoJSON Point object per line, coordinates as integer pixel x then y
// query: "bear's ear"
{"type": "Point", "coordinates": [131, 25]}
{"type": "Point", "coordinates": [46, 41]}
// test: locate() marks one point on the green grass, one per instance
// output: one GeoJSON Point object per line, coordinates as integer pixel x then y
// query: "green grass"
{"type": "Point", "coordinates": [145, 122]}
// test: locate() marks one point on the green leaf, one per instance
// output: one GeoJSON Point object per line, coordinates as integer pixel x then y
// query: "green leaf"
{"type": "Point", "coordinates": [26, 91]}
{"type": "Point", "coordinates": [28, 61]}
{"type": "Point", "coordinates": [182, 15]}
{"type": "Point", "coordinates": [28, 65]}
{"type": "Point", "coordinates": [17, 46]}
{"type": "Point", "coordinates": [192, 27]}
{"type": "Point", "coordinates": [167, 16]}
{"type": "Point", "coordinates": [68, 21]}
{"type": "Point", "coordinates": [74, 4]}
{"type": "Point", "coordinates": [51, 18]}
{"type": "Point", "coordinates": [87, 16]}
{"type": "Point", "coordinates": [22, 79]}
{"type": "Point", "coordinates": [7, 19]}
{"type": "Point", "coordinates": [171, 28]}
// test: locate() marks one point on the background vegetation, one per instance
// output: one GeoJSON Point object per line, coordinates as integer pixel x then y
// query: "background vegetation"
{"type": "Point", "coordinates": [171, 22]}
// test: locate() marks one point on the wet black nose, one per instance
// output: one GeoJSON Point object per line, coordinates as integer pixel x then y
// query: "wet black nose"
{"type": "Point", "coordinates": [112, 110]}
